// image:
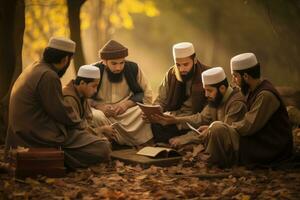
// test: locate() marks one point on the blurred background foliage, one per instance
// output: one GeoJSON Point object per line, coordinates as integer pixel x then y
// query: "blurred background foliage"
{"type": "Point", "coordinates": [218, 29]}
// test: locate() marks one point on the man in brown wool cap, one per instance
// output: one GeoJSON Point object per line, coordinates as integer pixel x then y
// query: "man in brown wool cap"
{"type": "Point", "coordinates": [122, 84]}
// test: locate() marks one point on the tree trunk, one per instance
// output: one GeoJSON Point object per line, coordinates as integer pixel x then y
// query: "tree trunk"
{"type": "Point", "coordinates": [12, 25]}
{"type": "Point", "coordinates": [74, 23]}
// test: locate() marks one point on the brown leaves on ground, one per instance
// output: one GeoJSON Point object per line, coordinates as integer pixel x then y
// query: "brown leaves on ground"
{"type": "Point", "coordinates": [191, 179]}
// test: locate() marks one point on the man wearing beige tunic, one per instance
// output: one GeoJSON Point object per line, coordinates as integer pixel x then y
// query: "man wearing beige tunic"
{"type": "Point", "coordinates": [224, 104]}
{"type": "Point", "coordinates": [122, 84]}
{"type": "Point", "coordinates": [38, 115]}
{"type": "Point", "coordinates": [181, 92]}
{"type": "Point", "coordinates": [264, 135]}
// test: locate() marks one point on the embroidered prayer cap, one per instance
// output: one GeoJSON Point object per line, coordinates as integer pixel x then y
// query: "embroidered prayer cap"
{"type": "Point", "coordinates": [243, 61]}
{"type": "Point", "coordinates": [213, 76]}
{"type": "Point", "coordinates": [89, 71]}
{"type": "Point", "coordinates": [183, 50]}
{"type": "Point", "coordinates": [63, 44]}
{"type": "Point", "coordinates": [113, 50]}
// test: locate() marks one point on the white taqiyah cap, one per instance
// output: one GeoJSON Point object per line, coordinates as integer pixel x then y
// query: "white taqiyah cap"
{"type": "Point", "coordinates": [89, 71]}
{"type": "Point", "coordinates": [183, 50]}
{"type": "Point", "coordinates": [63, 44]}
{"type": "Point", "coordinates": [243, 61]}
{"type": "Point", "coordinates": [213, 76]}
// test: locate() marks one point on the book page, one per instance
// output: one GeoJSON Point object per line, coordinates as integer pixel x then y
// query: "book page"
{"type": "Point", "coordinates": [153, 151]}
{"type": "Point", "coordinates": [192, 128]}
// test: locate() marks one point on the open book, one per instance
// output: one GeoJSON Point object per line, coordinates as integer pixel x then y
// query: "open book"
{"type": "Point", "coordinates": [150, 110]}
{"type": "Point", "coordinates": [158, 152]}
{"type": "Point", "coordinates": [193, 128]}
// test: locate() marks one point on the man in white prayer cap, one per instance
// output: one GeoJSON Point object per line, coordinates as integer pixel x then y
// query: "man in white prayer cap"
{"type": "Point", "coordinates": [226, 105]}
{"type": "Point", "coordinates": [265, 132]}
{"type": "Point", "coordinates": [76, 94]}
{"type": "Point", "coordinates": [38, 115]}
{"type": "Point", "coordinates": [181, 92]}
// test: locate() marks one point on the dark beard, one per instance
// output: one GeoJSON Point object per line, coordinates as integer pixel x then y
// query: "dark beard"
{"type": "Point", "coordinates": [188, 76]}
{"type": "Point", "coordinates": [217, 101]}
{"type": "Point", "coordinates": [112, 77]}
{"type": "Point", "coordinates": [61, 72]}
{"type": "Point", "coordinates": [244, 87]}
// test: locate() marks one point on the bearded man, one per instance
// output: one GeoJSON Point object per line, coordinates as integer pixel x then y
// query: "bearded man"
{"type": "Point", "coordinates": [225, 104]}
{"type": "Point", "coordinates": [38, 115]}
{"type": "Point", "coordinates": [122, 84]}
{"type": "Point", "coordinates": [181, 92]}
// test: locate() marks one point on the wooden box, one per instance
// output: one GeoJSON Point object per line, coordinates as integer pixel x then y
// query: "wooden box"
{"type": "Point", "coordinates": [37, 161]}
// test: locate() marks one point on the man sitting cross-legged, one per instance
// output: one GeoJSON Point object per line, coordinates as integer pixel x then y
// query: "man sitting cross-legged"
{"type": "Point", "coordinates": [225, 104]}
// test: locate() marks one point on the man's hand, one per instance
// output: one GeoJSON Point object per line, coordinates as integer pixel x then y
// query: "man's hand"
{"type": "Point", "coordinates": [175, 142]}
{"type": "Point", "coordinates": [120, 108]}
{"type": "Point", "coordinates": [163, 119]}
{"type": "Point", "coordinates": [202, 128]}
{"type": "Point", "coordinates": [108, 110]}
{"type": "Point", "coordinates": [145, 118]}
{"type": "Point", "coordinates": [109, 132]}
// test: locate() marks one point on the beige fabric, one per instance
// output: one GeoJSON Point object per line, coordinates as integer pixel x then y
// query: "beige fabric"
{"type": "Point", "coordinates": [133, 130]}
{"type": "Point", "coordinates": [213, 76]}
{"type": "Point", "coordinates": [89, 71]}
{"type": "Point", "coordinates": [243, 61]}
{"type": "Point", "coordinates": [183, 50]}
{"type": "Point", "coordinates": [63, 44]}
{"type": "Point", "coordinates": [260, 112]}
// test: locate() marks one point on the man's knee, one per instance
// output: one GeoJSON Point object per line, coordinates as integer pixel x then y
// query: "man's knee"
{"type": "Point", "coordinates": [99, 117]}
{"type": "Point", "coordinates": [217, 130]}
{"type": "Point", "coordinates": [98, 114]}
{"type": "Point", "coordinates": [103, 150]}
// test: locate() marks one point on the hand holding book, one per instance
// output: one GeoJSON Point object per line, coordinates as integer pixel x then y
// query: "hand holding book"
{"type": "Point", "coordinates": [150, 111]}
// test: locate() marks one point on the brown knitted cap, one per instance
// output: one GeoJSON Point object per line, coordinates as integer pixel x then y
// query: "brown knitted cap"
{"type": "Point", "coordinates": [113, 50]}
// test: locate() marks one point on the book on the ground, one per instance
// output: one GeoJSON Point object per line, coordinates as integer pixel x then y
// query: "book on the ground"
{"type": "Point", "coordinates": [193, 128]}
{"type": "Point", "coordinates": [158, 152]}
{"type": "Point", "coordinates": [150, 110]}
{"type": "Point", "coordinates": [130, 156]}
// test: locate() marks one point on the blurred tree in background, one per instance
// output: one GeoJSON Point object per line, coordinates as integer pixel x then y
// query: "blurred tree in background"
{"type": "Point", "coordinates": [12, 24]}
{"type": "Point", "coordinates": [98, 21]}
{"type": "Point", "coordinates": [39, 20]}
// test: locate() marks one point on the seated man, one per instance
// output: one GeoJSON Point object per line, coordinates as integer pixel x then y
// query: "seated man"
{"type": "Point", "coordinates": [38, 116]}
{"type": "Point", "coordinates": [181, 92]}
{"type": "Point", "coordinates": [122, 84]}
{"type": "Point", "coordinates": [76, 93]}
{"type": "Point", "coordinates": [224, 104]}
{"type": "Point", "coordinates": [264, 134]}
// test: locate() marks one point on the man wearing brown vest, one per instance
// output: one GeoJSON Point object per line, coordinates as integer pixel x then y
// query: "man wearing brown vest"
{"type": "Point", "coordinates": [264, 135]}
{"type": "Point", "coordinates": [181, 92]}
{"type": "Point", "coordinates": [122, 84]}
{"type": "Point", "coordinates": [225, 104]}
